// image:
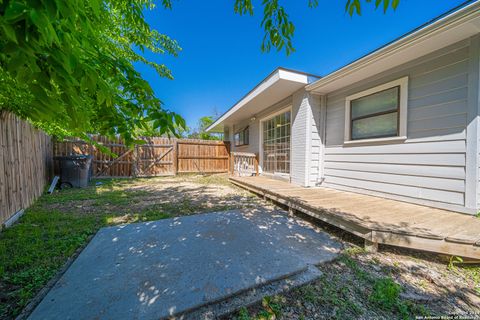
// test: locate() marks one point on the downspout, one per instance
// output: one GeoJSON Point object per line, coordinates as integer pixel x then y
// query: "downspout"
{"type": "Point", "coordinates": [323, 133]}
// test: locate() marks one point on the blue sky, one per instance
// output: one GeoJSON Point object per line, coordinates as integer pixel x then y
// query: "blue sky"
{"type": "Point", "coordinates": [221, 58]}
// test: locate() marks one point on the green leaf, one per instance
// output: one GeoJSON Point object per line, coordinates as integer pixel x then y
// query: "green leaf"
{"type": "Point", "coordinates": [9, 32]}
{"type": "Point", "coordinates": [385, 5]}
{"type": "Point", "coordinates": [347, 5]}
{"type": "Point", "coordinates": [14, 12]}
{"type": "Point", "coordinates": [395, 4]}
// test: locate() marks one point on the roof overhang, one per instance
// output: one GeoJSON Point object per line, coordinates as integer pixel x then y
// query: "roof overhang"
{"type": "Point", "coordinates": [277, 86]}
{"type": "Point", "coordinates": [446, 30]}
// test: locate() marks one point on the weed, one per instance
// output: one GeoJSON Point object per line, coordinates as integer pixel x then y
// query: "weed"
{"type": "Point", "coordinates": [272, 306]}
{"type": "Point", "coordinates": [386, 296]}
{"type": "Point", "coordinates": [308, 293]}
{"type": "Point", "coordinates": [353, 251]}
{"type": "Point", "coordinates": [423, 284]}
{"type": "Point", "coordinates": [243, 314]}
{"type": "Point", "coordinates": [352, 264]}
{"type": "Point", "coordinates": [265, 315]}
{"type": "Point", "coordinates": [454, 260]}
{"type": "Point", "coordinates": [385, 293]}
{"type": "Point", "coordinates": [472, 273]}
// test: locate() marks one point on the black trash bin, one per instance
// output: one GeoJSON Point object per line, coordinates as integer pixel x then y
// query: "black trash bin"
{"type": "Point", "coordinates": [74, 171]}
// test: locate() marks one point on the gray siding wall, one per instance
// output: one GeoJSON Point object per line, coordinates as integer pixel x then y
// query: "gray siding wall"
{"type": "Point", "coordinates": [430, 166]}
{"type": "Point", "coordinates": [474, 115]}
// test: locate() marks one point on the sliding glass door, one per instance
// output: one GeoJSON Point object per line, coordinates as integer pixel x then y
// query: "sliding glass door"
{"type": "Point", "coordinates": [276, 143]}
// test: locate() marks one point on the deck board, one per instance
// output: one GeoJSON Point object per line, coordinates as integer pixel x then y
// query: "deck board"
{"type": "Point", "coordinates": [377, 219]}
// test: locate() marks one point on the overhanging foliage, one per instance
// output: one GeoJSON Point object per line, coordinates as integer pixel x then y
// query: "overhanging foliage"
{"type": "Point", "coordinates": [67, 66]}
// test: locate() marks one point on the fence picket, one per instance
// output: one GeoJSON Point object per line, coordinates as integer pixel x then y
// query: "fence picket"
{"type": "Point", "coordinates": [25, 164]}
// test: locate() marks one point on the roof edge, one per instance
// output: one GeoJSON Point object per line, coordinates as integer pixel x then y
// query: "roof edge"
{"type": "Point", "coordinates": [276, 70]}
{"type": "Point", "coordinates": [470, 7]}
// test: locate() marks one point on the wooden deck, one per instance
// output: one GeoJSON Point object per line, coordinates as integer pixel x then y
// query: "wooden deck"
{"type": "Point", "coordinates": [377, 220]}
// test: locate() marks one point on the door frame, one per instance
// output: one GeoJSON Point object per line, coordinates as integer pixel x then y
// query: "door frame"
{"type": "Point", "coordinates": [260, 144]}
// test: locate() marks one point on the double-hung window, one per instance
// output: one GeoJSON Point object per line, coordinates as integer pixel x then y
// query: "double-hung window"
{"type": "Point", "coordinates": [241, 137]}
{"type": "Point", "coordinates": [377, 113]}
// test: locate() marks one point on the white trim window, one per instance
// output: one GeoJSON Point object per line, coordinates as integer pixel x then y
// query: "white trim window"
{"type": "Point", "coordinates": [377, 114]}
{"type": "Point", "coordinates": [241, 137]}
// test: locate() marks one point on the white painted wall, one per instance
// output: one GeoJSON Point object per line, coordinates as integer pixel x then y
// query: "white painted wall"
{"type": "Point", "coordinates": [306, 144]}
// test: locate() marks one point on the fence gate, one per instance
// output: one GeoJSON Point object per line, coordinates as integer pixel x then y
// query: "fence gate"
{"type": "Point", "coordinates": [205, 156]}
{"type": "Point", "coordinates": [155, 158]}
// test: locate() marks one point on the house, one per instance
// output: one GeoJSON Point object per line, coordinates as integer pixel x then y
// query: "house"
{"type": "Point", "coordinates": [401, 122]}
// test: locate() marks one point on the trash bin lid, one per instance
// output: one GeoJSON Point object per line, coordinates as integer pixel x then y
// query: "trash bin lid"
{"type": "Point", "coordinates": [73, 157]}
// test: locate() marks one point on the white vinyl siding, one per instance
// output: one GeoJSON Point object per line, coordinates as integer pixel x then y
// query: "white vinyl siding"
{"type": "Point", "coordinates": [300, 139]}
{"type": "Point", "coordinates": [429, 166]}
{"type": "Point", "coordinates": [306, 144]}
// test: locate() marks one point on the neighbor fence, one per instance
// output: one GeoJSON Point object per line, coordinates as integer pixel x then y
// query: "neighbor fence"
{"type": "Point", "coordinates": [25, 164]}
{"type": "Point", "coordinates": [156, 157]}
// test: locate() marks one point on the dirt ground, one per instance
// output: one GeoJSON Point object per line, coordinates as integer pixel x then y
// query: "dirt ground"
{"type": "Point", "coordinates": [393, 283]}
{"type": "Point", "coordinates": [181, 195]}
{"type": "Point", "coordinates": [389, 284]}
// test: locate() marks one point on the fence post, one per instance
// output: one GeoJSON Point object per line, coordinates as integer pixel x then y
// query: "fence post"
{"type": "Point", "coordinates": [227, 147]}
{"type": "Point", "coordinates": [175, 157]}
{"type": "Point", "coordinates": [256, 164]}
{"type": "Point", "coordinates": [93, 166]}
{"type": "Point", "coordinates": [135, 161]}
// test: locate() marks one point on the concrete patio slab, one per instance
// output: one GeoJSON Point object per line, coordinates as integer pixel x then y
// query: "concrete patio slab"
{"type": "Point", "coordinates": [164, 268]}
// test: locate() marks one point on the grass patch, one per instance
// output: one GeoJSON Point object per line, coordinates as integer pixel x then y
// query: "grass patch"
{"type": "Point", "coordinates": [32, 251]}
{"type": "Point", "coordinates": [338, 297]}
{"type": "Point", "coordinates": [385, 293]}
{"type": "Point", "coordinates": [386, 296]}
{"type": "Point", "coordinates": [51, 230]}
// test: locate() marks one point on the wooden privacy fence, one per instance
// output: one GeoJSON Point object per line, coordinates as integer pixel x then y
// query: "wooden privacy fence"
{"type": "Point", "coordinates": [25, 164]}
{"type": "Point", "coordinates": [157, 157]}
